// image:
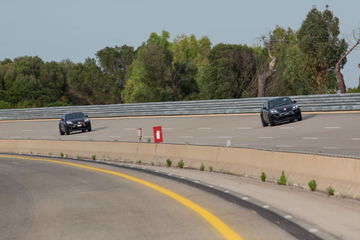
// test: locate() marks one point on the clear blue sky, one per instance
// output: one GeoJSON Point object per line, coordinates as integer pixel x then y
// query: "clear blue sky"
{"type": "Point", "coordinates": [77, 29]}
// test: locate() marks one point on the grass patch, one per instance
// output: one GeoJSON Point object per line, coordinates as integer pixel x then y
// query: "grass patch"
{"type": "Point", "coordinates": [202, 167]}
{"type": "Point", "coordinates": [168, 162]}
{"type": "Point", "coordinates": [330, 191]}
{"type": "Point", "coordinates": [282, 179]}
{"type": "Point", "coordinates": [263, 177]}
{"type": "Point", "coordinates": [180, 164]}
{"type": "Point", "coordinates": [211, 168]}
{"type": "Point", "coordinates": [93, 157]}
{"type": "Point", "coordinates": [312, 185]}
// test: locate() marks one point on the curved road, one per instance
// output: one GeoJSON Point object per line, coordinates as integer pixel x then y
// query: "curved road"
{"type": "Point", "coordinates": [54, 200]}
{"type": "Point", "coordinates": [330, 133]}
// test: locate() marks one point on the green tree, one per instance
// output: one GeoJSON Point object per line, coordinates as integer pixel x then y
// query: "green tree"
{"type": "Point", "coordinates": [319, 42]}
{"type": "Point", "coordinates": [148, 79]}
{"type": "Point", "coordinates": [115, 63]}
{"type": "Point", "coordinates": [230, 71]}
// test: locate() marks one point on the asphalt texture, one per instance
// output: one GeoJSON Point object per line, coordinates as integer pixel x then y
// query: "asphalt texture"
{"type": "Point", "coordinates": [327, 134]}
{"type": "Point", "coordinates": [44, 200]}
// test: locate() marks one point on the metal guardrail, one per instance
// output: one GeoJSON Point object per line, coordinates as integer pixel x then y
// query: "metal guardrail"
{"type": "Point", "coordinates": [309, 103]}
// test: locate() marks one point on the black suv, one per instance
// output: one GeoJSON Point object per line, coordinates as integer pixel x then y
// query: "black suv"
{"type": "Point", "coordinates": [277, 110]}
{"type": "Point", "coordinates": [76, 121]}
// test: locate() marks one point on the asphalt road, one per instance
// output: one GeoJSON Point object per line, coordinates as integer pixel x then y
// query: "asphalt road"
{"type": "Point", "coordinates": [335, 134]}
{"type": "Point", "coordinates": [47, 200]}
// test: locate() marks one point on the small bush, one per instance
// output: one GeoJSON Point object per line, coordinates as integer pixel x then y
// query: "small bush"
{"type": "Point", "coordinates": [78, 157]}
{"type": "Point", "coordinates": [330, 191]}
{"type": "Point", "coordinates": [211, 168]}
{"type": "Point", "coordinates": [202, 167]}
{"type": "Point", "coordinates": [139, 162]}
{"type": "Point", "coordinates": [93, 157]}
{"type": "Point", "coordinates": [62, 155]}
{"type": "Point", "coordinates": [263, 177]}
{"type": "Point", "coordinates": [312, 185]}
{"type": "Point", "coordinates": [282, 179]}
{"type": "Point", "coordinates": [180, 164]}
{"type": "Point", "coordinates": [148, 140]}
{"type": "Point", "coordinates": [168, 162]}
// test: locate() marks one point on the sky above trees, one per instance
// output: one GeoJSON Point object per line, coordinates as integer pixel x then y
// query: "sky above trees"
{"type": "Point", "coordinates": [75, 30]}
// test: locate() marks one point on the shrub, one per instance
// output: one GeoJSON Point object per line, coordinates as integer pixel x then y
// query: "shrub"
{"type": "Point", "coordinates": [282, 179]}
{"type": "Point", "coordinates": [180, 164]}
{"type": "Point", "coordinates": [211, 168]}
{"type": "Point", "coordinates": [168, 162]}
{"type": "Point", "coordinates": [93, 157]}
{"type": "Point", "coordinates": [202, 167]}
{"type": "Point", "coordinates": [139, 162]}
{"type": "Point", "coordinates": [62, 155]}
{"type": "Point", "coordinates": [330, 191]}
{"type": "Point", "coordinates": [263, 176]}
{"type": "Point", "coordinates": [312, 185]}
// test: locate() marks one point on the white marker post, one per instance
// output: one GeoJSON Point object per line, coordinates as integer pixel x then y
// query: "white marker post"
{"type": "Point", "coordinates": [139, 133]}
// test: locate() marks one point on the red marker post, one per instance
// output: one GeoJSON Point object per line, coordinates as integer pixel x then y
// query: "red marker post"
{"type": "Point", "coordinates": [158, 136]}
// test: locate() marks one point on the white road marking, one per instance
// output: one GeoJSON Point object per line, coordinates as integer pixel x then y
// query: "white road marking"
{"type": "Point", "coordinates": [266, 206]}
{"type": "Point", "coordinates": [283, 146]}
{"type": "Point", "coordinates": [286, 127]}
{"type": "Point", "coordinates": [265, 137]}
{"type": "Point", "coordinates": [129, 129]}
{"type": "Point", "coordinates": [186, 137]}
{"type": "Point", "coordinates": [288, 217]}
{"type": "Point", "coordinates": [245, 198]}
{"type": "Point", "coordinates": [204, 128]}
{"type": "Point", "coordinates": [244, 128]}
{"type": "Point", "coordinates": [226, 191]}
{"type": "Point", "coordinates": [182, 177]}
{"type": "Point", "coordinates": [241, 144]}
{"type": "Point", "coordinates": [196, 181]}
{"type": "Point", "coordinates": [27, 130]}
{"type": "Point", "coordinates": [211, 186]}
{"type": "Point", "coordinates": [313, 230]}
{"type": "Point", "coordinates": [114, 136]}
{"type": "Point", "coordinates": [332, 127]}
{"type": "Point", "coordinates": [169, 174]}
{"type": "Point", "coordinates": [225, 137]}
{"type": "Point", "coordinates": [330, 148]}
{"type": "Point", "coordinates": [355, 139]}
{"type": "Point", "coordinates": [310, 138]}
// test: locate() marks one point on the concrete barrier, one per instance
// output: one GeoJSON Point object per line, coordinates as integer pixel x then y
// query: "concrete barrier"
{"type": "Point", "coordinates": [340, 173]}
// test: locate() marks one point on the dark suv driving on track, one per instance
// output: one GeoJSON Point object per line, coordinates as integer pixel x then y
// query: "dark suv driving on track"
{"type": "Point", "coordinates": [277, 110]}
{"type": "Point", "coordinates": [76, 121]}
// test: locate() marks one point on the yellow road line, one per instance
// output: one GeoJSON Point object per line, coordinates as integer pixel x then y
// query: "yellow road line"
{"type": "Point", "coordinates": [214, 221]}
{"type": "Point", "coordinates": [177, 116]}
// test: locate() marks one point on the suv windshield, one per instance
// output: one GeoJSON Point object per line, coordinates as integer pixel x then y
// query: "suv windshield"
{"type": "Point", "coordinates": [277, 102]}
{"type": "Point", "coordinates": [75, 115]}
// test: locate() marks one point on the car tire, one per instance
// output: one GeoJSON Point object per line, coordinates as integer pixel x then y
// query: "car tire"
{"type": "Point", "coordinates": [61, 132]}
{"type": "Point", "coordinates": [89, 128]}
{"type": "Point", "coordinates": [67, 131]}
{"type": "Point", "coordinates": [264, 124]}
{"type": "Point", "coordinates": [300, 117]}
{"type": "Point", "coordinates": [272, 122]}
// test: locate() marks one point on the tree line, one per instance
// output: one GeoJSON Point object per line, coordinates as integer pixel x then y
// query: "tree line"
{"type": "Point", "coordinates": [288, 62]}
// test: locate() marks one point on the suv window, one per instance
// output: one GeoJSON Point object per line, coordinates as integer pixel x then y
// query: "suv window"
{"type": "Point", "coordinates": [76, 115]}
{"type": "Point", "coordinates": [277, 102]}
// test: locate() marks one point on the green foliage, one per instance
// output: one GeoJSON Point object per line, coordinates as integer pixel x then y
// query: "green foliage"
{"type": "Point", "coordinates": [263, 176]}
{"type": "Point", "coordinates": [330, 191]}
{"type": "Point", "coordinates": [282, 179]}
{"type": "Point", "coordinates": [181, 164]}
{"type": "Point", "coordinates": [202, 167]}
{"type": "Point", "coordinates": [312, 185]}
{"type": "Point", "coordinates": [62, 155]}
{"type": "Point", "coordinates": [93, 157]}
{"type": "Point", "coordinates": [319, 41]}
{"type": "Point", "coordinates": [350, 90]}
{"type": "Point", "coordinates": [168, 162]}
{"type": "Point", "coordinates": [230, 71]}
{"type": "Point", "coordinates": [4, 105]}
{"type": "Point", "coordinates": [211, 169]}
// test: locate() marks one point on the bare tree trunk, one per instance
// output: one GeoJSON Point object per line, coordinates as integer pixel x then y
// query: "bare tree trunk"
{"type": "Point", "coordinates": [339, 75]}
{"type": "Point", "coordinates": [262, 77]}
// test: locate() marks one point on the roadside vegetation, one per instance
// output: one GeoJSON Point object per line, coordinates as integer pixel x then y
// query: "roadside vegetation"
{"type": "Point", "coordinates": [285, 62]}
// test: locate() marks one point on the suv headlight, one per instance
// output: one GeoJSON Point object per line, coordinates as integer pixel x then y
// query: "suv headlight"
{"type": "Point", "coordinates": [69, 122]}
{"type": "Point", "coordinates": [274, 111]}
{"type": "Point", "coordinates": [295, 107]}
